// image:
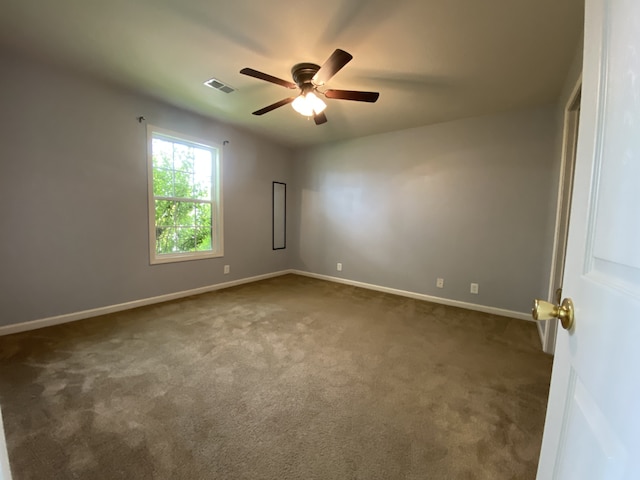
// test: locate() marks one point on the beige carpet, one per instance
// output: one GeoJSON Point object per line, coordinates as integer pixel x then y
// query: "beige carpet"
{"type": "Point", "coordinates": [289, 378]}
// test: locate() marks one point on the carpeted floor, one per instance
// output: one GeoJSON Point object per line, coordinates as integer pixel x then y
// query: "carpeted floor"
{"type": "Point", "coordinates": [288, 378]}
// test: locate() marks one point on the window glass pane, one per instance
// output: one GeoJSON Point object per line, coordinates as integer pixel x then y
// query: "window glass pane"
{"type": "Point", "coordinates": [186, 239]}
{"type": "Point", "coordinates": [166, 240]}
{"type": "Point", "coordinates": [203, 215]}
{"type": "Point", "coordinates": [183, 157]}
{"type": "Point", "coordinates": [183, 184]}
{"type": "Point", "coordinates": [164, 213]}
{"type": "Point", "coordinates": [202, 162]}
{"type": "Point", "coordinates": [204, 239]}
{"type": "Point", "coordinates": [162, 153]}
{"type": "Point", "coordinates": [202, 188]}
{"type": "Point", "coordinates": [162, 182]}
{"type": "Point", "coordinates": [185, 214]}
{"type": "Point", "coordinates": [202, 174]}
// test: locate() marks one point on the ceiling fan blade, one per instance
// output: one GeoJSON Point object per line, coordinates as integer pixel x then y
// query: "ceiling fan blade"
{"type": "Point", "coordinates": [320, 118]}
{"type": "Point", "coordinates": [334, 63]}
{"type": "Point", "coordinates": [357, 96]}
{"type": "Point", "coordinates": [267, 78]}
{"type": "Point", "coordinates": [273, 106]}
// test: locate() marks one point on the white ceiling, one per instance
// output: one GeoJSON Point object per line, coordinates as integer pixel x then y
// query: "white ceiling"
{"type": "Point", "coordinates": [431, 60]}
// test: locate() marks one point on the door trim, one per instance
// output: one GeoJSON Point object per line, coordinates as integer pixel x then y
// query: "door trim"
{"type": "Point", "coordinates": [567, 165]}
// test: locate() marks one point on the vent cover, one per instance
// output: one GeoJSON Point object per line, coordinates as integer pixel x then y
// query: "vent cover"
{"type": "Point", "coordinates": [218, 85]}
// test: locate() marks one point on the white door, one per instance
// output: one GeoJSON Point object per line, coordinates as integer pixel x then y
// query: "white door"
{"type": "Point", "coordinates": [592, 430]}
{"type": "Point", "coordinates": [5, 472]}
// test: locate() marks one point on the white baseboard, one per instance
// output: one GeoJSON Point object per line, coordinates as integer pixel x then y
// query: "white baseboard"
{"type": "Point", "coordinates": [420, 296]}
{"type": "Point", "coordinates": [72, 317]}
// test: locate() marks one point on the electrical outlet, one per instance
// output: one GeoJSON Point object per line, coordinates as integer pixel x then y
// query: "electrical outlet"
{"type": "Point", "coordinates": [440, 283]}
{"type": "Point", "coordinates": [474, 288]}
{"type": "Point", "coordinates": [339, 267]}
{"type": "Point", "coordinates": [227, 269]}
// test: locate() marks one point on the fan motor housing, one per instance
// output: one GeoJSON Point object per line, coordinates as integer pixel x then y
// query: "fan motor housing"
{"type": "Point", "coordinates": [302, 73]}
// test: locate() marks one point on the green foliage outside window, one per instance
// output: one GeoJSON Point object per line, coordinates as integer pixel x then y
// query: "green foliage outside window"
{"type": "Point", "coordinates": [182, 181]}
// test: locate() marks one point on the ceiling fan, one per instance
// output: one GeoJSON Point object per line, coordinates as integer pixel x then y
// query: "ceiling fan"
{"type": "Point", "coordinates": [308, 77]}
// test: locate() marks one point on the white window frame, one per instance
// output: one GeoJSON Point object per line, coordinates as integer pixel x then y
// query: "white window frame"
{"type": "Point", "coordinates": [217, 236]}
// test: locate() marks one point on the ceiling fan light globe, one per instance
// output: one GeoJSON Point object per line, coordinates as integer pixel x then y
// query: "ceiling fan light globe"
{"type": "Point", "coordinates": [302, 106]}
{"type": "Point", "coordinates": [317, 104]}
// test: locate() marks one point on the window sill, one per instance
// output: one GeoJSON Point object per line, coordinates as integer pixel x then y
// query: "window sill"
{"type": "Point", "coordinates": [184, 257]}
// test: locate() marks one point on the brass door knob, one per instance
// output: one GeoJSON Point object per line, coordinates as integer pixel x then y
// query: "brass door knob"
{"type": "Point", "coordinates": [546, 311]}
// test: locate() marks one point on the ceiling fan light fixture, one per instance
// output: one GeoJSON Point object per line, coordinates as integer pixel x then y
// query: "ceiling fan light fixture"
{"type": "Point", "coordinates": [316, 103]}
{"type": "Point", "coordinates": [301, 106]}
{"type": "Point", "coordinates": [308, 104]}
{"type": "Point", "coordinates": [307, 76]}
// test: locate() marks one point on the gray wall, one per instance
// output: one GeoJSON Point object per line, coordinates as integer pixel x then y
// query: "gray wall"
{"type": "Point", "coordinates": [466, 201]}
{"type": "Point", "coordinates": [73, 190]}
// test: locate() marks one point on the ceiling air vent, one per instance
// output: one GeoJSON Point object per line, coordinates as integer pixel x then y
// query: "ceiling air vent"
{"type": "Point", "coordinates": [218, 85]}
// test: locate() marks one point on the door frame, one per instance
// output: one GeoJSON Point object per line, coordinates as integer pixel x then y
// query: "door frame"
{"type": "Point", "coordinates": [571, 117]}
{"type": "Point", "coordinates": [5, 470]}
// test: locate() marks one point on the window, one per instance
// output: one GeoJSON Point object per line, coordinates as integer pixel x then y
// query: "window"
{"type": "Point", "coordinates": [185, 215]}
